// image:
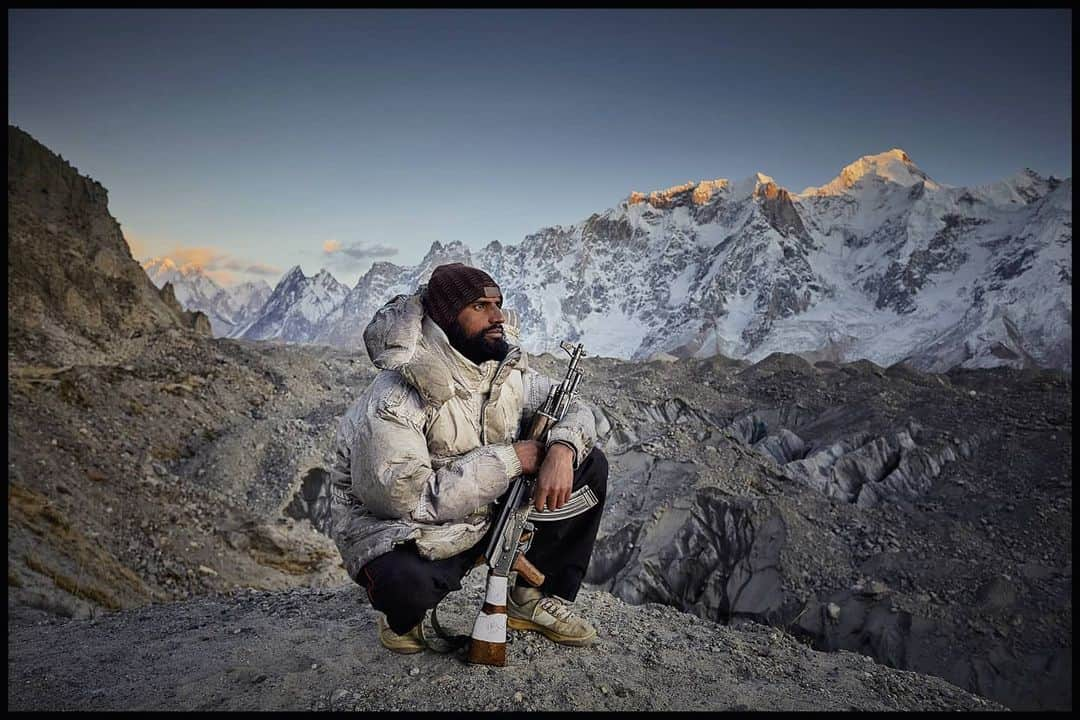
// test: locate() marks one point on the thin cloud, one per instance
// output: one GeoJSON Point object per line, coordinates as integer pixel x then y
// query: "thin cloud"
{"type": "Point", "coordinates": [355, 255]}
{"type": "Point", "coordinates": [221, 266]}
{"type": "Point", "coordinates": [360, 252]}
{"type": "Point", "coordinates": [260, 269]}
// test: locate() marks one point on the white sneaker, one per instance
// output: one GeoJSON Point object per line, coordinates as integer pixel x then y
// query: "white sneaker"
{"type": "Point", "coordinates": [550, 615]}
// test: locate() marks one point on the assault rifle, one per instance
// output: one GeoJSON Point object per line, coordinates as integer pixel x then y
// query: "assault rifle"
{"type": "Point", "coordinates": [513, 532]}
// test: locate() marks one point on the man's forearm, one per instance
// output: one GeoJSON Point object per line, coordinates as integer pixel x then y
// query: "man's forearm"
{"type": "Point", "coordinates": [470, 482]}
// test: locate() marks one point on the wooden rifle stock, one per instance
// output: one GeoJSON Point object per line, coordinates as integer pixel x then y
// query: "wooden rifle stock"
{"type": "Point", "coordinates": [523, 567]}
{"type": "Point", "coordinates": [529, 572]}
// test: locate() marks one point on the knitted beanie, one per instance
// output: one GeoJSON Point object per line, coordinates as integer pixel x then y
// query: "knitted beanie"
{"type": "Point", "coordinates": [451, 288]}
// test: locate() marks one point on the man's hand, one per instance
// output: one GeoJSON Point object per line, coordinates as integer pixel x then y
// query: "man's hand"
{"type": "Point", "coordinates": [530, 454]}
{"type": "Point", "coordinates": [556, 478]}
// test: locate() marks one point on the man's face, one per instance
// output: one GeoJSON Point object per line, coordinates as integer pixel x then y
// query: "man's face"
{"type": "Point", "coordinates": [478, 330]}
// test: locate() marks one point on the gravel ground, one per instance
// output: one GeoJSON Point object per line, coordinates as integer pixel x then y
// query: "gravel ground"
{"type": "Point", "coordinates": [315, 649]}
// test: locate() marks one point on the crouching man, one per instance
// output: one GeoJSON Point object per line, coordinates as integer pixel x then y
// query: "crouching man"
{"type": "Point", "coordinates": [434, 440]}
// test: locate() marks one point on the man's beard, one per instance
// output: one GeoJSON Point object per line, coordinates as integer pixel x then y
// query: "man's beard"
{"type": "Point", "coordinates": [478, 348]}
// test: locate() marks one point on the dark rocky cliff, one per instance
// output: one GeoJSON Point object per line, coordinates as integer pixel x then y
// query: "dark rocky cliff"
{"type": "Point", "coordinates": [74, 290]}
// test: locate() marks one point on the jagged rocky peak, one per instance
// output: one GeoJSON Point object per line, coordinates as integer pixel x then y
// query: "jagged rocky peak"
{"type": "Point", "coordinates": [437, 248]}
{"type": "Point", "coordinates": [1021, 188]}
{"type": "Point", "coordinates": [295, 273]}
{"type": "Point", "coordinates": [383, 266]}
{"type": "Point", "coordinates": [323, 278]}
{"type": "Point", "coordinates": [894, 166]}
{"type": "Point", "coordinates": [439, 254]}
{"type": "Point", "coordinates": [1031, 186]}
{"type": "Point", "coordinates": [380, 271]}
{"type": "Point", "coordinates": [323, 284]}
{"type": "Point", "coordinates": [757, 186]}
{"type": "Point", "coordinates": [769, 190]}
{"type": "Point", "coordinates": [194, 319]}
{"type": "Point", "coordinates": [698, 193]}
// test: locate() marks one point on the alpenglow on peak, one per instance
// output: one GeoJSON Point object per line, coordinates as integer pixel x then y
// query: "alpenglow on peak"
{"type": "Point", "coordinates": [698, 193]}
{"type": "Point", "coordinates": [894, 165]}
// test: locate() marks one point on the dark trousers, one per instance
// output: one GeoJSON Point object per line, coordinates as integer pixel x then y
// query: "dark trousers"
{"type": "Point", "coordinates": [404, 585]}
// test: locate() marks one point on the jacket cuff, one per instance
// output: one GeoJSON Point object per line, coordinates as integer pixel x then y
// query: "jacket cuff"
{"type": "Point", "coordinates": [567, 444]}
{"type": "Point", "coordinates": [509, 458]}
{"type": "Point", "coordinates": [570, 438]}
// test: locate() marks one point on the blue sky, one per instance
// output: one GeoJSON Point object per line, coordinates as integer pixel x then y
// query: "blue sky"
{"type": "Point", "coordinates": [258, 140]}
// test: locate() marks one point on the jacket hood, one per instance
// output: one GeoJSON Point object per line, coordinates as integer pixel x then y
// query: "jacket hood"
{"type": "Point", "coordinates": [401, 337]}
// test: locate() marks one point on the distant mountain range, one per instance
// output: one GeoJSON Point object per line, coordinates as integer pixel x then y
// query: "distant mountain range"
{"type": "Point", "coordinates": [881, 263]}
{"type": "Point", "coordinates": [231, 310]}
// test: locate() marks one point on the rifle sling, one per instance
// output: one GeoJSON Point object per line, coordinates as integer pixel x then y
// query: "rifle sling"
{"type": "Point", "coordinates": [453, 642]}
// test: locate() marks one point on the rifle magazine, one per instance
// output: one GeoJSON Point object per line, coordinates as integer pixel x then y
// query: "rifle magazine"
{"type": "Point", "coordinates": [581, 500]}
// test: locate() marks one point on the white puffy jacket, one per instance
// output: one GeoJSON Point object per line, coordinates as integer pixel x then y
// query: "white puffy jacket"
{"type": "Point", "coordinates": [428, 446]}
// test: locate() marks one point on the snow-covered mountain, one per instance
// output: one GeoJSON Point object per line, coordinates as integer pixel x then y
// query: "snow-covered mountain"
{"type": "Point", "coordinates": [880, 263]}
{"type": "Point", "coordinates": [295, 307]}
{"type": "Point", "coordinates": [344, 325]}
{"type": "Point", "coordinates": [229, 309]}
{"type": "Point", "coordinates": [248, 298]}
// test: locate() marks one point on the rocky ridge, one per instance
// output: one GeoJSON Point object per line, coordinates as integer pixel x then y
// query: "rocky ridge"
{"type": "Point", "coordinates": [74, 291]}
{"type": "Point", "coordinates": [113, 390]}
